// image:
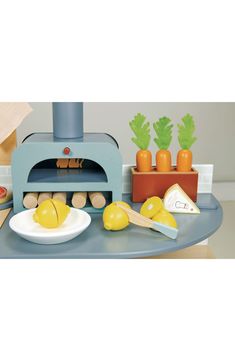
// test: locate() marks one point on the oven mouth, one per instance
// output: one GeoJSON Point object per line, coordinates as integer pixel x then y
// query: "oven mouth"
{"type": "Point", "coordinates": [82, 171]}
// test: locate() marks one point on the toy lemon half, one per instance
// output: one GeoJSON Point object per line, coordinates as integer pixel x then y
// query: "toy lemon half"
{"type": "Point", "coordinates": [51, 213]}
{"type": "Point", "coordinates": [151, 207]}
{"type": "Point", "coordinates": [166, 218]}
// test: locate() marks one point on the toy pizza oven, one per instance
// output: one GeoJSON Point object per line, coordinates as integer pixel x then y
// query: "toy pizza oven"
{"type": "Point", "coordinates": [67, 160]}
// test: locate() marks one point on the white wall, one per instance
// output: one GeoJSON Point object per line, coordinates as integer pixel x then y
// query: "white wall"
{"type": "Point", "coordinates": [215, 128]}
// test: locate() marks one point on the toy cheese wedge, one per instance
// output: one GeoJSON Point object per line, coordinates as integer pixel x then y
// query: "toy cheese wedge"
{"type": "Point", "coordinates": [177, 201]}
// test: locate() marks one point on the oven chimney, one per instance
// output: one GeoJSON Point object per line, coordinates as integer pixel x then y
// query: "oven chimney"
{"type": "Point", "coordinates": [68, 120]}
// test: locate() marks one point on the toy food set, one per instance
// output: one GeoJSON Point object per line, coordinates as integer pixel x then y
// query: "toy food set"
{"type": "Point", "coordinates": [177, 201]}
{"type": "Point", "coordinates": [156, 181]}
{"type": "Point", "coordinates": [80, 169]}
{"type": "Point", "coordinates": [118, 215]}
{"type": "Point", "coordinates": [56, 175]}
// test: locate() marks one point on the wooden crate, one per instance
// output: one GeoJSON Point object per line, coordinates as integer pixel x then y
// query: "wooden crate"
{"type": "Point", "coordinates": [149, 184]}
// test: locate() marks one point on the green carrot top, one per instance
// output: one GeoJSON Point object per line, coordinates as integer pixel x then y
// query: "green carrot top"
{"type": "Point", "coordinates": [141, 130]}
{"type": "Point", "coordinates": [163, 130]}
{"type": "Point", "coordinates": [186, 131]}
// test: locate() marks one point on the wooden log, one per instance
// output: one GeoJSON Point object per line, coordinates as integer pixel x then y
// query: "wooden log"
{"type": "Point", "coordinates": [79, 199]}
{"type": "Point", "coordinates": [60, 196]}
{"type": "Point", "coordinates": [44, 196]}
{"type": "Point", "coordinates": [30, 200]}
{"type": "Point", "coordinates": [97, 199]}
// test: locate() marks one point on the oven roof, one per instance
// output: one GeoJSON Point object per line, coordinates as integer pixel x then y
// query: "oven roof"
{"type": "Point", "coordinates": [87, 138]}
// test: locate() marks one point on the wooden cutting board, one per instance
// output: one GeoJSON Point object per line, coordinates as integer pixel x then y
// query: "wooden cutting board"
{"type": "Point", "coordinates": [11, 116]}
{"type": "Point", "coordinates": [7, 148]}
{"type": "Point", "coordinates": [3, 215]}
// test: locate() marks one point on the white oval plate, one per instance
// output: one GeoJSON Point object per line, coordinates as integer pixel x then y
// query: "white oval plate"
{"type": "Point", "coordinates": [24, 225]}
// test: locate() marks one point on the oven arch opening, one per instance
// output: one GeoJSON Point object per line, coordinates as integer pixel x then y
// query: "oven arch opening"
{"type": "Point", "coordinates": [67, 170]}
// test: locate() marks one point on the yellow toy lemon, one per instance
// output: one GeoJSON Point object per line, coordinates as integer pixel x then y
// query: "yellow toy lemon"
{"type": "Point", "coordinates": [151, 206]}
{"type": "Point", "coordinates": [166, 218]}
{"type": "Point", "coordinates": [51, 213]}
{"type": "Point", "coordinates": [115, 218]}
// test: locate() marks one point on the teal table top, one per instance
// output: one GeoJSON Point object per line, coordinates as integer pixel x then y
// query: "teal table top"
{"type": "Point", "coordinates": [132, 242]}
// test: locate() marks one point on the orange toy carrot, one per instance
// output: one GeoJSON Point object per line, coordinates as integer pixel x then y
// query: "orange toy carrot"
{"type": "Point", "coordinates": [186, 140]}
{"type": "Point", "coordinates": [141, 130]}
{"type": "Point", "coordinates": [163, 130]}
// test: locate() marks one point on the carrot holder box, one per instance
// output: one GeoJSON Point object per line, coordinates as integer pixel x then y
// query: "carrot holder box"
{"type": "Point", "coordinates": [67, 160]}
{"type": "Point", "coordinates": [154, 183]}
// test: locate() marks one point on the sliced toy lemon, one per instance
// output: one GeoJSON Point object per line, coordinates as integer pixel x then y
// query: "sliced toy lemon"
{"type": "Point", "coordinates": [115, 218]}
{"type": "Point", "coordinates": [166, 218]}
{"type": "Point", "coordinates": [46, 215]}
{"type": "Point", "coordinates": [151, 207]}
{"type": "Point", "coordinates": [51, 213]}
{"type": "Point", "coordinates": [62, 211]}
